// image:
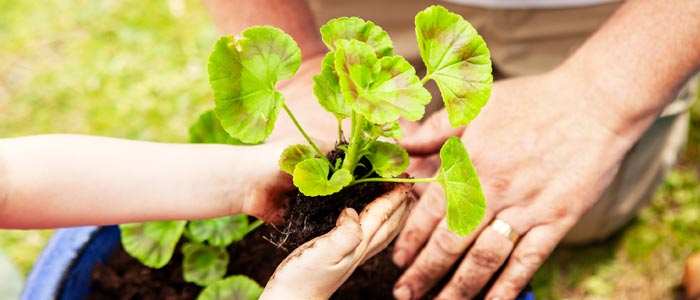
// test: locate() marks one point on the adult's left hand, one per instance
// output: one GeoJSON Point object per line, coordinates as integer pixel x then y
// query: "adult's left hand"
{"type": "Point", "coordinates": [544, 151]}
{"type": "Point", "coordinates": [319, 267]}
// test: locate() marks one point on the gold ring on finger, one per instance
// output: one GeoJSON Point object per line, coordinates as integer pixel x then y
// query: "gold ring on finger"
{"type": "Point", "coordinates": [505, 230]}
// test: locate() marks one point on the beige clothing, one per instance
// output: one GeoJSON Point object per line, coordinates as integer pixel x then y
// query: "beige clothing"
{"type": "Point", "coordinates": [523, 4]}
{"type": "Point", "coordinates": [530, 41]}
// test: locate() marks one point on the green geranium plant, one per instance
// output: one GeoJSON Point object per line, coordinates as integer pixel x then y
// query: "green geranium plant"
{"type": "Point", "coordinates": [361, 79]}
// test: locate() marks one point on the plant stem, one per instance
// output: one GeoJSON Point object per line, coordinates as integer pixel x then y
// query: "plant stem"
{"type": "Point", "coordinates": [340, 130]}
{"type": "Point", "coordinates": [306, 136]}
{"type": "Point", "coordinates": [425, 79]}
{"type": "Point", "coordinates": [254, 225]}
{"type": "Point", "coordinates": [351, 158]}
{"type": "Point", "coordinates": [412, 180]}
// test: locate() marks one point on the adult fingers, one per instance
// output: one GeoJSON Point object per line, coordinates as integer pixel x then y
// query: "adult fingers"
{"type": "Point", "coordinates": [438, 256]}
{"type": "Point", "coordinates": [419, 226]}
{"type": "Point", "coordinates": [388, 230]}
{"type": "Point", "coordinates": [431, 135]}
{"type": "Point", "coordinates": [528, 256]}
{"type": "Point", "coordinates": [333, 247]}
{"type": "Point", "coordinates": [379, 210]}
{"type": "Point", "coordinates": [484, 258]}
{"type": "Point", "coordinates": [325, 262]}
{"type": "Point", "coordinates": [408, 127]}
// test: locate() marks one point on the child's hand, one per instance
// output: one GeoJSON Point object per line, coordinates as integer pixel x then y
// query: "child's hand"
{"type": "Point", "coordinates": [318, 268]}
{"type": "Point", "coordinates": [266, 188]}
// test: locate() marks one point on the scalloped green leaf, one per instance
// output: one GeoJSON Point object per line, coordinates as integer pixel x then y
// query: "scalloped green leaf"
{"type": "Point", "coordinates": [354, 28]}
{"type": "Point", "coordinates": [238, 287]}
{"type": "Point", "coordinates": [466, 203]}
{"type": "Point", "coordinates": [243, 73]}
{"type": "Point", "coordinates": [311, 177]}
{"type": "Point", "coordinates": [203, 264]}
{"type": "Point", "coordinates": [219, 231]}
{"type": "Point", "coordinates": [152, 243]}
{"type": "Point", "coordinates": [390, 130]}
{"type": "Point", "coordinates": [356, 65]}
{"type": "Point", "coordinates": [382, 90]}
{"type": "Point", "coordinates": [208, 130]}
{"type": "Point", "coordinates": [388, 160]}
{"type": "Point", "coordinates": [457, 58]}
{"type": "Point", "coordinates": [293, 155]}
{"type": "Point", "coordinates": [327, 88]}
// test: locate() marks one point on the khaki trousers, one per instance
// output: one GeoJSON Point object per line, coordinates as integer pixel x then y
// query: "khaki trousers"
{"type": "Point", "coordinates": [531, 41]}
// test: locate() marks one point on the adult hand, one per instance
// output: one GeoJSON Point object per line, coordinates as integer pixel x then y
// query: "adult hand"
{"type": "Point", "coordinates": [318, 268]}
{"type": "Point", "coordinates": [544, 152]}
{"type": "Point", "coordinates": [299, 97]}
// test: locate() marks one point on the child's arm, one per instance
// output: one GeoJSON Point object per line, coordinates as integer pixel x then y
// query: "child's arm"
{"type": "Point", "coordinates": [69, 180]}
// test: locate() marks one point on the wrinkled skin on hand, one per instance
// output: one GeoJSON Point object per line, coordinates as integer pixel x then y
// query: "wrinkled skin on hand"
{"type": "Point", "coordinates": [544, 155]}
{"type": "Point", "coordinates": [319, 267]}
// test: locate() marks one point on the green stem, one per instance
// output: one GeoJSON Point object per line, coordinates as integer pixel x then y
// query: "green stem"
{"type": "Point", "coordinates": [368, 174]}
{"type": "Point", "coordinates": [306, 136]}
{"type": "Point", "coordinates": [351, 158]}
{"type": "Point", "coordinates": [412, 180]}
{"type": "Point", "coordinates": [340, 130]}
{"type": "Point", "coordinates": [254, 225]}
{"type": "Point", "coordinates": [425, 79]}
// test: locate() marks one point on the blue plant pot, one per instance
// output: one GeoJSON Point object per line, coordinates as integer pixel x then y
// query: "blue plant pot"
{"type": "Point", "coordinates": [64, 268]}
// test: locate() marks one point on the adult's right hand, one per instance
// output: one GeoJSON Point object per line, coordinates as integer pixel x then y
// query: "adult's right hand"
{"type": "Point", "coordinates": [544, 152]}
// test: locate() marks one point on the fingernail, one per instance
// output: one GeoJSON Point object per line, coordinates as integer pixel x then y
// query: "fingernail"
{"type": "Point", "coordinates": [400, 258]}
{"type": "Point", "coordinates": [346, 216]}
{"type": "Point", "coordinates": [402, 293]}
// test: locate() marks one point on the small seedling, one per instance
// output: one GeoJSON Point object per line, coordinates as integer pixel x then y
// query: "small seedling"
{"type": "Point", "coordinates": [364, 81]}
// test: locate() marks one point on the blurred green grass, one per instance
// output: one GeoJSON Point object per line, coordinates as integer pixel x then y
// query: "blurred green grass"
{"type": "Point", "coordinates": [128, 69]}
{"type": "Point", "coordinates": [137, 70]}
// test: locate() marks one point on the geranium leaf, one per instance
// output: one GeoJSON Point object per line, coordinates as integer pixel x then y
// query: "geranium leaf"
{"type": "Point", "coordinates": [388, 160]}
{"type": "Point", "coordinates": [293, 155]}
{"type": "Point", "coordinates": [238, 287]}
{"type": "Point", "coordinates": [356, 65]}
{"type": "Point", "coordinates": [382, 90]}
{"type": "Point", "coordinates": [243, 73]}
{"type": "Point", "coordinates": [208, 130]}
{"type": "Point", "coordinates": [203, 264]}
{"type": "Point", "coordinates": [219, 231]}
{"type": "Point", "coordinates": [390, 130]}
{"type": "Point", "coordinates": [327, 88]}
{"type": "Point", "coordinates": [353, 28]}
{"type": "Point", "coordinates": [457, 58]}
{"type": "Point", "coordinates": [466, 203]}
{"type": "Point", "coordinates": [152, 243]}
{"type": "Point", "coordinates": [311, 177]}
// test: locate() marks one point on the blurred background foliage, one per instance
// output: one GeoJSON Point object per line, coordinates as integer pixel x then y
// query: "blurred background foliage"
{"type": "Point", "coordinates": [128, 69]}
{"type": "Point", "coordinates": [137, 70]}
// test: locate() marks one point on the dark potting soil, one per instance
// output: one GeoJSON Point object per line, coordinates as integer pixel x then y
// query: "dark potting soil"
{"type": "Point", "coordinates": [125, 278]}
{"type": "Point", "coordinates": [310, 217]}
